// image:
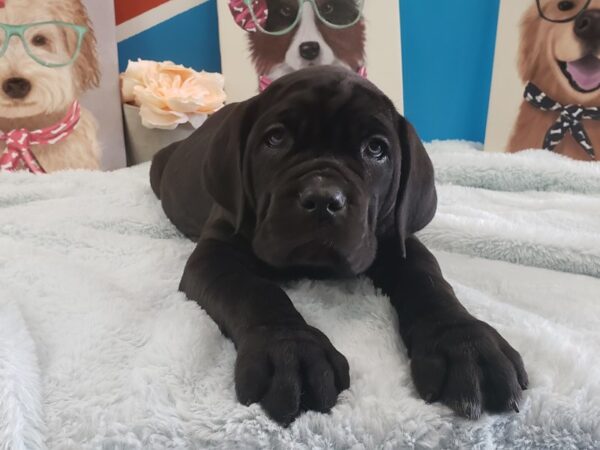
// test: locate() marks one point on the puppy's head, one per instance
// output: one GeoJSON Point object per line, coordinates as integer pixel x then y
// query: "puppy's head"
{"type": "Point", "coordinates": [28, 88]}
{"type": "Point", "coordinates": [311, 43]}
{"type": "Point", "coordinates": [563, 59]}
{"type": "Point", "coordinates": [317, 169]}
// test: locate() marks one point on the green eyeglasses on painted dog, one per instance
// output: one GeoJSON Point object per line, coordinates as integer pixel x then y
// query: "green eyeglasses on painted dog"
{"type": "Point", "coordinates": [279, 17]}
{"type": "Point", "coordinates": [51, 44]}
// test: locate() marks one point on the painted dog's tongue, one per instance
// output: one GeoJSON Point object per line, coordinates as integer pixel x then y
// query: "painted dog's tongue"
{"type": "Point", "coordinates": [585, 72]}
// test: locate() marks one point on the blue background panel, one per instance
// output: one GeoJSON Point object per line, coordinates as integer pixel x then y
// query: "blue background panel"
{"type": "Point", "coordinates": [448, 51]}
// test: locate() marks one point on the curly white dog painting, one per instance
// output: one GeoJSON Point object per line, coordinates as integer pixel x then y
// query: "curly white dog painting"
{"type": "Point", "coordinates": [48, 60]}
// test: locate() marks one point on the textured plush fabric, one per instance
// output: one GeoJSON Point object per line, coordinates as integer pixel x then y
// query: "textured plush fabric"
{"type": "Point", "coordinates": [21, 424]}
{"type": "Point", "coordinates": [535, 208]}
{"type": "Point", "coordinates": [532, 170]}
{"type": "Point", "coordinates": [99, 350]}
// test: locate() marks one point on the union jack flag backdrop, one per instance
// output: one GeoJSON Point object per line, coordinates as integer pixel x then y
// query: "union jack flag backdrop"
{"type": "Point", "coordinates": [182, 31]}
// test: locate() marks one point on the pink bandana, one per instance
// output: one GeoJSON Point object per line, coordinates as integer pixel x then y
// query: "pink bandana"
{"type": "Point", "coordinates": [242, 15]}
{"type": "Point", "coordinates": [19, 142]}
{"type": "Point", "coordinates": [264, 81]}
{"type": "Point", "coordinates": [2, 3]}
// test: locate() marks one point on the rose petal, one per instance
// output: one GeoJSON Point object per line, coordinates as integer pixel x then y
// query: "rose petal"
{"type": "Point", "coordinates": [149, 96]}
{"type": "Point", "coordinates": [213, 103]}
{"type": "Point", "coordinates": [157, 118]}
{"type": "Point", "coordinates": [183, 105]}
{"type": "Point", "coordinates": [127, 89]}
{"type": "Point", "coordinates": [138, 69]}
{"type": "Point", "coordinates": [174, 70]}
{"type": "Point", "coordinates": [134, 76]}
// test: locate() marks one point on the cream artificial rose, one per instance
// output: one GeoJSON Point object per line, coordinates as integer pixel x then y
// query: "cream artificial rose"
{"type": "Point", "coordinates": [169, 95]}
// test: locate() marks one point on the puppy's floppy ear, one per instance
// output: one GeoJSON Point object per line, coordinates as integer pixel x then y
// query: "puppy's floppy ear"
{"type": "Point", "coordinates": [223, 165]}
{"type": "Point", "coordinates": [416, 202]}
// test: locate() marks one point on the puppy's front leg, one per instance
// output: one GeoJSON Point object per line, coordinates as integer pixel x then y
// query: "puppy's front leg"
{"type": "Point", "coordinates": [455, 358]}
{"type": "Point", "coordinates": [283, 363]}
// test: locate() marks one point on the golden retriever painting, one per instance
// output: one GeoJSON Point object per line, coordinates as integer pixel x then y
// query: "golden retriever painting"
{"type": "Point", "coordinates": [47, 61]}
{"type": "Point", "coordinates": [559, 63]}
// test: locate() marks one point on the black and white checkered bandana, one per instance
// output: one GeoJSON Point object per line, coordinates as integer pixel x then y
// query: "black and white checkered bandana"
{"type": "Point", "coordinates": [570, 119]}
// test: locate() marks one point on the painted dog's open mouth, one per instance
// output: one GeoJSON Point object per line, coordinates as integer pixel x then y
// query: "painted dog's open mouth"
{"type": "Point", "coordinates": [583, 74]}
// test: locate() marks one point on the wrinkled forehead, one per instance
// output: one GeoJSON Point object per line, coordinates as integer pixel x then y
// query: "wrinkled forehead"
{"type": "Point", "coordinates": [328, 104]}
{"type": "Point", "coordinates": [17, 12]}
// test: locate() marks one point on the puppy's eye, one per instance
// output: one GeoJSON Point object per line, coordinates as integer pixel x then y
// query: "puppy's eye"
{"type": "Point", "coordinates": [376, 148]}
{"type": "Point", "coordinates": [39, 40]}
{"type": "Point", "coordinates": [276, 137]}
{"type": "Point", "coordinates": [566, 5]}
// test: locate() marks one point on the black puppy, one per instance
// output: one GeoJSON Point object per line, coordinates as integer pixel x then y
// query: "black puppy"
{"type": "Point", "coordinates": [319, 176]}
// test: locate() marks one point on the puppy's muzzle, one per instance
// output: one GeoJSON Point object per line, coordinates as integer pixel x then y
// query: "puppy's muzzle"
{"type": "Point", "coordinates": [16, 88]}
{"type": "Point", "coordinates": [587, 27]}
{"type": "Point", "coordinates": [322, 199]}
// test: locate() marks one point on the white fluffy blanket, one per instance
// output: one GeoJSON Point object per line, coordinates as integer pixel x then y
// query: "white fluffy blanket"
{"type": "Point", "coordinates": [99, 350]}
{"type": "Point", "coordinates": [554, 223]}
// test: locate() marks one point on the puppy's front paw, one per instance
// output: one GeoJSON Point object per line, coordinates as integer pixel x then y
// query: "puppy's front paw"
{"type": "Point", "coordinates": [289, 370]}
{"type": "Point", "coordinates": [468, 366]}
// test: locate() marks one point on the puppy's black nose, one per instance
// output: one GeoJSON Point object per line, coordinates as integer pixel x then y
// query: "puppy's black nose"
{"type": "Point", "coordinates": [16, 88]}
{"type": "Point", "coordinates": [587, 26]}
{"type": "Point", "coordinates": [310, 50]}
{"type": "Point", "coordinates": [323, 200]}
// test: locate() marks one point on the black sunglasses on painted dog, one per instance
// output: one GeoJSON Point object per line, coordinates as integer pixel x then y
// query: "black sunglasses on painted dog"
{"type": "Point", "coordinates": [561, 11]}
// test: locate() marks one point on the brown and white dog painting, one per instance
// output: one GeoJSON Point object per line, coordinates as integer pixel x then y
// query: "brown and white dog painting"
{"type": "Point", "coordinates": [263, 40]}
{"type": "Point", "coordinates": [33, 96]}
{"type": "Point", "coordinates": [561, 58]}
{"type": "Point", "coordinates": [310, 43]}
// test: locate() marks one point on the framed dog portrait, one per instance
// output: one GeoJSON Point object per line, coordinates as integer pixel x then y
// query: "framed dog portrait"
{"type": "Point", "coordinates": [262, 40]}
{"type": "Point", "coordinates": [546, 82]}
{"type": "Point", "coordinates": [60, 103]}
